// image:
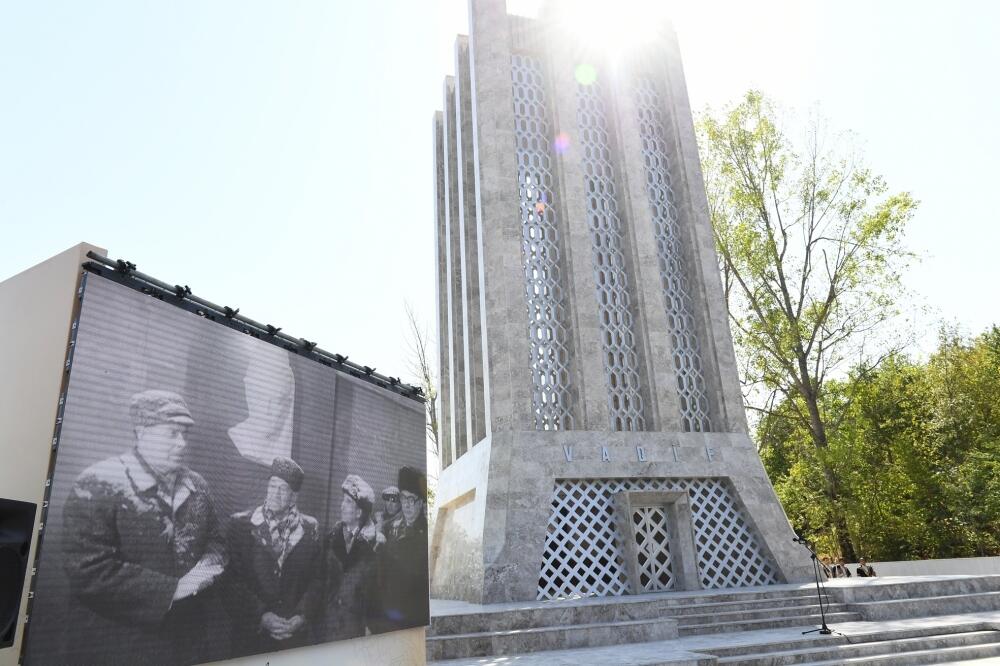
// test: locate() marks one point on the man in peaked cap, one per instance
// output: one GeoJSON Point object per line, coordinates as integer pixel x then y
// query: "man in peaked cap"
{"type": "Point", "coordinates": [390, 518]}
{"type": "Point", "coordinates": [142, 544]}
{"type": "Point", "coordinates": [403, 565]}
{"type": "Point", "coordinates": [351, 592]}
{"type": "Point", "coordinates": [275, 558]}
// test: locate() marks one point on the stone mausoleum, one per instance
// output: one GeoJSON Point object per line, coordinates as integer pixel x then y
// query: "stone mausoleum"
{"type": "Point", "coordinates": [593, 436]}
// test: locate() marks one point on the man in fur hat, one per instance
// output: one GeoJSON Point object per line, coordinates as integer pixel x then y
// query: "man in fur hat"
{"type": "Point", "coordinates": [349, 548]}
{"type": "Point", "coordinates": [404, 563]}
{"type": "Point", "coordinates": [142, 545]}
{"type": "Point", "coordinates": [275, 555]}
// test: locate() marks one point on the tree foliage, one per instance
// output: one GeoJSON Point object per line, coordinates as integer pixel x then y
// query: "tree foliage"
{"type": "Point", "coordinates": [421, 366]}
{"type": "Point", "coordinates": [916, 456]}
{"type": "Point", "coordinates": [810, 246]}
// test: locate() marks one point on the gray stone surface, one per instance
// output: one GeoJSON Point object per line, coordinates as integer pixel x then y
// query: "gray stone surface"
{"type": "Point", "coordinates": [950, 638]}
{"type": "Point", "coordinates": [495, 495]}
{"type": "Point", "coordinates": [523, 467]}
{"type": "Point", "coordinates": [441, 285]}
{"type": "Point", "coordinates": [456, 379]}
{"type": "Point", "coordinates": [469, 249]}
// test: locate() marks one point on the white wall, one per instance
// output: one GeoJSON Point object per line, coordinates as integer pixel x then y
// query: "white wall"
{"type": "Point", "coordinates": [974, 566]}
{"type": "Point", "coordinates": [37, 307]}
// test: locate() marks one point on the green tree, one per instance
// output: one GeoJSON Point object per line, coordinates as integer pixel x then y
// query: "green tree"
{"type": "Point", "coordinates": [809, 241]}
{"type": "Point", "coordinates": [916, 454]}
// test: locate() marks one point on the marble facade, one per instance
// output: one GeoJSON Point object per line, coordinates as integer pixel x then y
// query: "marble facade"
{"type": "Point", "coordinates": [584, 340]}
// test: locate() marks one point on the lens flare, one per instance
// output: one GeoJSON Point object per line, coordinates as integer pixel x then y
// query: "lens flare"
{"type": "Point", "coordinates": [585, 74]}
{"type": "Point", "coordinates": [561, 142]}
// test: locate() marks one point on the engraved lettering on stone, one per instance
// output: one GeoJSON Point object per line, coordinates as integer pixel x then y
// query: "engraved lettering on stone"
{"type": "Point", "coordinates": [605, 456]}
{"type": "Point", "coordinates": [710, 453]}
{"type": "Point", "coordinates": [674, 447]}
{"type": "Point", "coordinates": [568, 452]}
{"type": "Point", "coordinates": [640, 452]}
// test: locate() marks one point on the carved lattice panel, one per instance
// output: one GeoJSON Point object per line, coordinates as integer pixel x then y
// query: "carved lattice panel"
{"type": "Point", "coordinates": [649, 523]}
{"type": "Point", "coordinates": [549, 356]}
{"type": "Point", "coordinates": [673, 274]}
{"type": "Point", "coordinates": [728, 554]}
{"type": "Point", "coordinates": [621, 363]}
{"type": "Point", "coordinates": [583, 553]}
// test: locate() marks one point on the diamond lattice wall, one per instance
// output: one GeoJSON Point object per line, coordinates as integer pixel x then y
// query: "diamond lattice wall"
{"type": "Point", "coordinates": [670, 251]}
{"type": "Point", "coordinates": [621, 363]}
{"type": "Point", "coordinates": [583, 550]}
{"type": "Point", "coordinates": [547, 334]}
{"type": "Point", "coordinates": [653, 548]}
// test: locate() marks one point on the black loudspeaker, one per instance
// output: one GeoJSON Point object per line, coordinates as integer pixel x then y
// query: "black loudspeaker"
{"type": "Point", "coordinates": [16, 522]}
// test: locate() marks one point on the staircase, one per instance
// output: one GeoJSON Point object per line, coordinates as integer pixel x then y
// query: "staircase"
{"type": "Point", "coordinates": [924, 646]}
{"type": "Point", "coordinates": [756, 626]}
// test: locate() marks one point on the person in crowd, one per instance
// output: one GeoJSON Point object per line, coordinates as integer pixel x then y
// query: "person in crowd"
{"type": "Point", "coordinates": [275, 558]}
{"type": "Point", "coordinates": [142, 545]}
{"type": "Point", "coordinates": [840, 569]}
{"type": "Point", "coordinates": [403, 566]}
{"type": "Point", "coordinates": [865, 570]}
{"type": "Point", "coordinates": [351, 592]}
{"type": "Point", "coordinates": [827, 566]}
{"type": "Point", "coordinates": [389, 520]}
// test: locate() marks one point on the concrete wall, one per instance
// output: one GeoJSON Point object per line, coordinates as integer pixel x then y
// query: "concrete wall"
{"type": "Point", "coordinates": [973, 566]}
{"type": "Point", "coordinates": [456, 565]}
{"type": "Point", "coordinates": [37, 307]}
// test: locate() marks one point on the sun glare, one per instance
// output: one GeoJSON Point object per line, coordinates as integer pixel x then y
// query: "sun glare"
{"type": "Point", "coordinates": [615, 26]}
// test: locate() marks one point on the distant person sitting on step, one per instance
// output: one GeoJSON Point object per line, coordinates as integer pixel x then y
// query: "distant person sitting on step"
{"type": "Point", "coordinates": [865, 570]}
{"type": "Point", "coordinates": [840, 569]}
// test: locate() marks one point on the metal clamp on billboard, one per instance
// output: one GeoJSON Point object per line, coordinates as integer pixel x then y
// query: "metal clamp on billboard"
{"type": "Point", "coordinates": [218, 490]}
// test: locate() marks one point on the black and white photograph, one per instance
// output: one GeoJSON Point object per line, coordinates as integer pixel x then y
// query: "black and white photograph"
{"type": "Point", "coordinates": [216, 495]}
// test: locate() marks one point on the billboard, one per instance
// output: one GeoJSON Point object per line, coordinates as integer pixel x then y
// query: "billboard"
{"type": "Point", "coordinates": [216, 495]}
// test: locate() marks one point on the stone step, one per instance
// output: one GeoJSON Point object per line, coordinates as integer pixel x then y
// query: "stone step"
{"type": "Point", "coordinates": [919, 657]}
{"type": "Point", "coordinates": [757, 604]}
{"type": "Point", "coordinates": [616, 609]}
{"type": "Point", "coordinates": [768, 623]}
{"type": "Point", "coordinates": [817, 640]}
{"type": "Point", "coordinates": [758, 614]}
{"type": "Point", "coordinates": [844, 650]}
{"type": "Point", "coordinates": [521, 641]}
{"type": "Point", "coordinates": [955, 604]}
{"type": "Point", "coordinates": [746, 648]}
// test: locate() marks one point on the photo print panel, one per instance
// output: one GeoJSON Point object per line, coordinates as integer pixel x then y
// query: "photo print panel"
{"type": "Point", "coordinates": [215, 495]}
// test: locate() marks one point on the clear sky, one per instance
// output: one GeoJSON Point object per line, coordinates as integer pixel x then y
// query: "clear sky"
{"type": "Point", "coordinates": [276, 156]}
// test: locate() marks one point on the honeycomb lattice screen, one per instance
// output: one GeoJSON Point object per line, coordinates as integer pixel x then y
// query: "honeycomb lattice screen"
{"type": "Point", "coordinates": [670, 251]}
{"type": "Point", "coordinates": [547, 333]}
{"type": "Point", "coordinates": [583, 553]}
{"type": "Point", "coordinates": [621, 363]}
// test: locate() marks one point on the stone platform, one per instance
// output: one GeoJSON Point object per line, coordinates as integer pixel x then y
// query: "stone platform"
{"type": "Point", "coordinates": [887, 621]}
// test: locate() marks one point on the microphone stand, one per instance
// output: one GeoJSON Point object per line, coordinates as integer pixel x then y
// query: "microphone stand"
{"type": "Point", "coordinates": [825, 630]}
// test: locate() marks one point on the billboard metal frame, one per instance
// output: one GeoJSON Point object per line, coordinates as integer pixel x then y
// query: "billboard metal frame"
{"type": "Point", "coordinates": [125, 273]}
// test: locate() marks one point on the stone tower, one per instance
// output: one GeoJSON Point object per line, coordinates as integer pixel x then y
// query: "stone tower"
{"type": "Point", "coordinates": [593, 438]}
